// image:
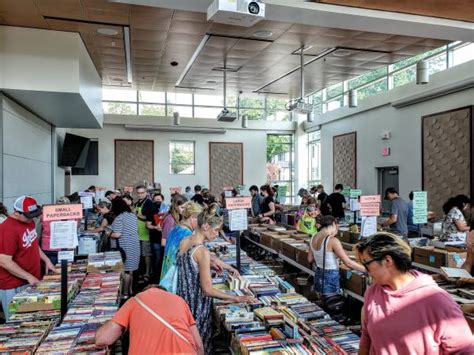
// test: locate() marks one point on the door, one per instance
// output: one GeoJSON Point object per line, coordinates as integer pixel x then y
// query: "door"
{"type": "Point", "coordinates": [387, 177]}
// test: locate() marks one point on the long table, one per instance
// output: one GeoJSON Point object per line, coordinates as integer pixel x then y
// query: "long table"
{"type": "Point", "coordinates": [301, 267]}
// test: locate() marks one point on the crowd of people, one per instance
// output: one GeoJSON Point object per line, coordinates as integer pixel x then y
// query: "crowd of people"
{"type": "Point", "coordinates": [164, 246]}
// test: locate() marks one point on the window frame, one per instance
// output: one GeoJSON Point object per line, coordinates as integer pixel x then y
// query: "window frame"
{"type": "Point", "coordinates": [170, 162]}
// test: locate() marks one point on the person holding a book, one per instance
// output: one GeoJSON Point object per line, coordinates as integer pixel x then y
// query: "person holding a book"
{"type": "Point", "coordinates": [405, 311]}
{"type": "Point", "coordinates": [194, 276]}
{"type": "Point", "coordinates": [326, 250]}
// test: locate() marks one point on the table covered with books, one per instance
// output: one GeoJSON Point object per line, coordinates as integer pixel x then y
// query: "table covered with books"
{"type": "Point", "coordinates": [93, 298]}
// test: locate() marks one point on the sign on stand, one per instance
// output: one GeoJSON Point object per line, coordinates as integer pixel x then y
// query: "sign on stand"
{"type": "Point", "coordinates": [238, 220]}
{"type": "Point", "coordinates": [420, 207]}
{"type": "Point", "coordinates": [370, 205]}
{"type": "Point", "coordinates": [87, 202]}
{"type": "Point", "coordinates": [237, 207]}
{"type": "Point", "coordinates": [63, 235]}
{"type": "Point", "coordinates": [368, 226]}
{"type": "Point", "coordinates": [66, 255]}
{"type": "Point", "coordinates": [61, 212]}
{"type": "Point", "coordinates": [354, 193]}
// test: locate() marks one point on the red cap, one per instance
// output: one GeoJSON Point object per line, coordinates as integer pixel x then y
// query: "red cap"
{"type": "Point", "coordinates": [28, 206]}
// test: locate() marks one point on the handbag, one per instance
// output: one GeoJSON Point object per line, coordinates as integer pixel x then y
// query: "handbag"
{"type": "Point", "coordinates": [333, 304]}
{"type": "Point", "coordinates": [164, 322]}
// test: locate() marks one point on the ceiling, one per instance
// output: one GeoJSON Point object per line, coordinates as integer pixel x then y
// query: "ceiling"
{"type": "Point", "coordinates": [462, 10]}
{"type": "Point", "coordinates": [160, 36]}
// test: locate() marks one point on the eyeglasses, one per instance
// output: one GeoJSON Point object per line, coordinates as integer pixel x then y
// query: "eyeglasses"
{"type": "Point", "coordinates": [368, 262]}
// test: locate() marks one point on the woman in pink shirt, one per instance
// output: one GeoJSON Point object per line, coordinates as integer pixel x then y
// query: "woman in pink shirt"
{"type": "Point", "coordinates": [405, 311]}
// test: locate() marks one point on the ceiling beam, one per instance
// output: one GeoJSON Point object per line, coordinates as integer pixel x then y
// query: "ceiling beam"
{"type": "Point", "coordinates": [311, 13]}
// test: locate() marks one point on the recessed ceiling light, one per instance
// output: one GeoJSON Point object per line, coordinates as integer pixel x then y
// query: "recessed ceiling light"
{"type": "Point", "coordinates": [107, 31]}
{"type": "Point", "coordinates": [263, 34]}
{"type": "Point", "coordinates": [117, 79]}
{"type": "Point", "coordinates": [211, 82]}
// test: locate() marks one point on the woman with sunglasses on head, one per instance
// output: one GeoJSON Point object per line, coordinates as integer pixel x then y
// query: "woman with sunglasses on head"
{"type": "Point", "coordinates": [194, 277]}
{"type": "Point", "coordinates": [405, 311]}
{"type": "Point", "coordinates": [324, 244]}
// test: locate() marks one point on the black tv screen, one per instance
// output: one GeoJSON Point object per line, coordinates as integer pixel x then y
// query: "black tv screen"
{"type": "Point", "coordinates": [75, 149]}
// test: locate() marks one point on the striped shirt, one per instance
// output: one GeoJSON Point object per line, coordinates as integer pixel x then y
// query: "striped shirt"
{"type": "Point", "coordinates": [126, 224]}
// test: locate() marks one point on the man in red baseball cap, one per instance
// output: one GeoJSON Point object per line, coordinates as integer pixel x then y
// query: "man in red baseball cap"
{"type": "Point", "coordinates": [20, 253]}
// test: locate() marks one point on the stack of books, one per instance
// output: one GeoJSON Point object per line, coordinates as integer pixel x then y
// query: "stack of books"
{"type": "Point", "coordinates": [109, 261]}
{"type": "Point", "coordinates": [22, 338]}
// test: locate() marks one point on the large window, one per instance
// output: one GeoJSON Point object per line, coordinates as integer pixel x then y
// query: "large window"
{"type": "Point", "coordinates": [280, 171]}
{"type": "Point", "coordinates": [391, 76]}
{"type": "Point", "coordinates": [164, 104]}
{"type": "Point", "coordinates": [314, 156]}
{"type": "Point", "coordinates": [181, 157]}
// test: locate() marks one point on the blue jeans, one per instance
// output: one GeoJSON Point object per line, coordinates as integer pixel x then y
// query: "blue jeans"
{"type": "Point", "coordinates": [6, 297]}
{"type": "Point", "coordinates": [331, 282]}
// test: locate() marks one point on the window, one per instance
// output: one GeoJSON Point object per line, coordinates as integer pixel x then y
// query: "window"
{"type": "Point", "coordinates": [280, 171]}
{"type": "Point", "coordinates": [314, 156]}
{"type": "Point", "coordinates": [152, 110]}
{"type": "Point", "coordinates": [463, 54]}
{"type": "Point", "coordinates": [119, 108]}
{"type": "Point", "coordinates": [153, 97]}
{"type": "Point", "coordinates": [404, 76]}
{"type": "Point", "coordinates": [373, 88]}
{"type": "Point", "coordinates": [181, 157]}
{"type": "Point", "coordinates": [184, 111]}
{"type": "Point", "coordinates": [367, 77]}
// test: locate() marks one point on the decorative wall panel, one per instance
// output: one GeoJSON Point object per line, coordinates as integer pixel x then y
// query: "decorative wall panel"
{"type": "Point", "coordinates": [225, 166]}
{"type": "Point", "coordinates": [134, 161]}
{"type": "Point", "coordinates": [345, 159]}
{"type": "Point", "coordinates": [446, 156]}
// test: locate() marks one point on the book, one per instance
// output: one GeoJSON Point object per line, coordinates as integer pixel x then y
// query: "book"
{"type": "Point", "coordinates": [455, 273]}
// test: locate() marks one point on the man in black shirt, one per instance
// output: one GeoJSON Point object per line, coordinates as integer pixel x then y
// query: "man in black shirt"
{"type": "Point", "coordinates": [198, 195]}
{"type": "Point", "coordinates": [337, 202]}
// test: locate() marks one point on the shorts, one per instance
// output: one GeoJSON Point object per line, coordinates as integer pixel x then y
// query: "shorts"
{"type": "Point", "coordinates": [145, 247]}
{"type": "Point", "coordinates": [331, 282]}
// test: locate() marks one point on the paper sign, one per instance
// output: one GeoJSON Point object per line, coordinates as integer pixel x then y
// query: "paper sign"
{"type": "Point", "coordinates": [175, 190]}
{"type": "Point", "coordinates": [235, 203]}
{"type": "Point", "coordinates": [368, 226]}
{"type": "Point", "coordinates": [420, 207]}
{"type": "Point", "coordinates": [238, 220]}
{"type": "Point", "coordinates": [86, 193]}
{"type": "Point", "coordinates": [63, 235]}
{"type": "Point", "coordinates": [354, 204]}
{"type": "Point", "coordinates": [227, 193]}
{"type": "Point", "coordinates": [100, 195]}
{"type": "Point", "coordinates": [66, 255]}
{"type": "Point", "coordinates": [346, 190]}
{"type": "Point", "coordinates": [87, 202]}
{"type": "Point", "coordinates": [62, 212]}
{"type": "Point", "coordinates": [370, 209]}
{"type": "Point", "coordinates": [355, 193]}
{"type": "Point", "coordinates": [371, 198]}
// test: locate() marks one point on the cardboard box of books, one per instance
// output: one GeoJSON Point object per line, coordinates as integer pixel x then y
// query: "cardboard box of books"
{"type": "Point", "coordinates": [352, 280]}
{"type": "Point", "coordinates": [276, 242]}
{"type": "Point", "coordinates": [301, 255]}
{"type": "Point", "coordinates": [266, 238]}
{"type": "Point", "coordinates": [436, 258]}
{"type": "Point", "coordinates": [109, 261]}
{"type": "Point", "coordinates": [286, 247]}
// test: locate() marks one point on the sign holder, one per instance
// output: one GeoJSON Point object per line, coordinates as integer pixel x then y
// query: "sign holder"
{"type": "Point", "coordinates": [64, 290]}
{"type": "Point", "coordinates": [238, 204]}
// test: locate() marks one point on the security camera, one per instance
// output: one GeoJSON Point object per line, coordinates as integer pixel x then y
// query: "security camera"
{"type": "Point", "coordinates": [254, 8]}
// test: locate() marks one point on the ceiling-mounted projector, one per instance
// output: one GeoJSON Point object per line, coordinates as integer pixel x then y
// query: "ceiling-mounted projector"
{"type": "Point", "coordinates": [227, 116]}
{"type": "Point", "coordinates": [236, 12]}
{"type": "Point", "coordinates": [300, 106]}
